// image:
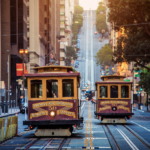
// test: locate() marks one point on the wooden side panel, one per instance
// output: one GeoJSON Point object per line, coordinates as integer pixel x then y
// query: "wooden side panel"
{"type": "Point", "coordinates": [64, 110]}
{"type": "Point", "coordinates": [121, 106]}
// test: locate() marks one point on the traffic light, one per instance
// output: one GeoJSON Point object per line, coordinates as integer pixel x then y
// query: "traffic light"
{"type": "Point", "coordinates": [141, 89]}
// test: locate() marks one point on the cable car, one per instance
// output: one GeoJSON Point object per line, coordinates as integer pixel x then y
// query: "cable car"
{"type": "Point", "coordinates": [54, 101]}
{"type": "Point", "coordinates": [114, 99]}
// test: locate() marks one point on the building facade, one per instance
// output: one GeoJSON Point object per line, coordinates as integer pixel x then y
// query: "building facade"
{"type": "Point", "coordinates": [0, 40]}
{"type": "Point", "coordinates": [13, 31]}
{"type": "Point", "coordinates": [67, 10]}
{"type": "Point", "coordinates": [36, 27]}
{"type": "Point", "coordinates": [55, 31]}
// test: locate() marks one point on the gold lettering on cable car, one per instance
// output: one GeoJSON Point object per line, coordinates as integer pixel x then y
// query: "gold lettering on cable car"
{"type": "Point", "coordinates": [114, 103]}
{"type": "Point", "coordinates": [52, 103]}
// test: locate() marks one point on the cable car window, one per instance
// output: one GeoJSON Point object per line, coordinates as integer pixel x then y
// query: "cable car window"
{"type": "Point", "coordinates": [68, 87]}
{"type": "Point", "coordinates": [124, 91]}
{"type": "Point", "coordinates": [36, 89]}
{"type": "Point", "coordinates": [103, 91]}
{"type": "Point", "coordinates": [52, 88]}
{"type": "Point", "coordinates": [114, 91]}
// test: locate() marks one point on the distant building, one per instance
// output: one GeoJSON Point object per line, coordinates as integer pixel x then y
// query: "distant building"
{"type": "Point", "coordinates": [55, 30]}
{"type": "Point", "coordinates": [13, 37]}
{"type": "Point", "coordinates": [38, 26]}
{"type": "Point", "coordinates": [66, 18]}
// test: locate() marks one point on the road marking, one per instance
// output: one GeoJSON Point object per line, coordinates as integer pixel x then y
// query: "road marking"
{"type": "Point", "coordinates": [89, 131]}
{"type": "Point", "coordinates": [83, 105]}
{"type": "Point", "coordinates": [91, 140]}
{"type": "Point", "coordinates": [84, 147]}
{"type": "Point", "coordinates": [131, 144]}
{"type": "Point", "coordinates": [141, 126]}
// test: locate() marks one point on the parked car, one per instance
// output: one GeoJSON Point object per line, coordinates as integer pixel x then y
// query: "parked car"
{"type": "Point", "coordinates": [76, 64]}
{"type": "Point", "coordinates": [77, 54]}
{"type": "Point", "coordinates": [93, 99]}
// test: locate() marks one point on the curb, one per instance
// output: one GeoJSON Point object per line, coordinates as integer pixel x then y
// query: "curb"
{"type": "Point", "coordinates": [6, 115]}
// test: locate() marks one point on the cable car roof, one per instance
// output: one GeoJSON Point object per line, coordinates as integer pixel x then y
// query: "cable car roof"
{"type": "Point", "coordinates": [117, 79]}
{"type": "Point", "coordinates": [112, 77]}
{"type": "Point", "coordinates": [52, 71]}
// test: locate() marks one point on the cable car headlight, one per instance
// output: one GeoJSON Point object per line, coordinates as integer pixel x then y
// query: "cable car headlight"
{"type": "Point", "coordinates": [52, 113]}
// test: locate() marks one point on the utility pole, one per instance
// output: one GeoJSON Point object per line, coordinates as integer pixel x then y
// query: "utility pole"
{"type": "Point", "coordinates": [8, 76]}
{"type": "Point", "coordinates": [132, 92]}
{"type": "Point", "coordinates": [23, 75]}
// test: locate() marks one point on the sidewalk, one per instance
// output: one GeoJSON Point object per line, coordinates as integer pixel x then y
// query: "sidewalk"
{"type": "Point", "coordinates": [11, 111]}
{"type": "Point", "coordinates": [143, 108]}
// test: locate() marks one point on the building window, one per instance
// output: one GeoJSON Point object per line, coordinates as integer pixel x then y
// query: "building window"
{"type": "Point", "coordinates": [113, 91]}
{"type": "Point", "coordinates": [28, 42]}
{"type": "Point", "coordinates": [52, 88]}
{"type": "Point", "coordinates": [124, 91]}
{"type": "Point", "coordinates": [68, 87]}
{"type": "Point", "coordinates": [103, 91]}
{"type": "Point", "coordinates": [27, 11]}
{"type": "Point", "coordinates": [36, 89]}
{"type": "Point", "coordinates": [45, 20]}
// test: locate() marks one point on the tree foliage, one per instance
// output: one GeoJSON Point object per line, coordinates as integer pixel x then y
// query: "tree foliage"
{"type": "Point", "coordinates": [101, 18]}
{"type": "Point", "coordinates": [104, 56]}
{"type": "Point", "coordinates": [100, 9]}
{"type": "Point", "coordinates": [145, 80]}
{"type": "Point", "coordinates": [78, 10]}
{"type": "Point", "coordinates": [70, 54]}
{"type": "Point", "coordinates": [133, 16]}
{"type": "Point", "coordinates": [101, 23]}
{"type": "Point", "coordinates": [77, 22]}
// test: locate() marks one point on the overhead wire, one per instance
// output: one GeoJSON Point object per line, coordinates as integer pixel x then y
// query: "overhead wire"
{"type": "Point", "coordinates": [136, 24]}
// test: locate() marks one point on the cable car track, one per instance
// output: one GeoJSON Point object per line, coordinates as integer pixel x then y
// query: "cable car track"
{"type": "Point", "coordinates": [44, 144]}
{"type": "Point", "coordinates": [119, 128]}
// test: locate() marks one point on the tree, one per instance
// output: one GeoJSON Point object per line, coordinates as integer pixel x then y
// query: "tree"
{"type": "Point", "coordinates": [77, 24]}
{"type": "Point", "coordinates": [78, 10]}
{"type": "Point", "coordinates": [145, 80]}
{"type": "Point", "coordinates": [101, 9]}
{"type": "Point", "coordinates": [101, 23]}
{"type": "Point", "coordinates": [70, 53]}
{"type": "Point", "coordinates": [101, 18]}
{"type": "Point", "coordinates": [104, 56]}
{"type": "Point", "coordinates": [133, 16]}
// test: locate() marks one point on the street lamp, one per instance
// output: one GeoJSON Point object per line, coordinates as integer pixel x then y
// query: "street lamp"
{"type": "Point", "coordinates": [23, 53]}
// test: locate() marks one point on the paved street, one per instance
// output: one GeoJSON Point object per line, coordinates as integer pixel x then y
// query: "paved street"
{"type": "Point", "coordinates": [89, 46]}
{"type": "Point", "coordinates": [133, 135]}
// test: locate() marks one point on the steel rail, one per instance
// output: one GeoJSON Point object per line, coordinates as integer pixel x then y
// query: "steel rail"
{"type": "Point", "coordinates": [62, 143]}
{"type": "Point", "coordinates": [117, 146]}
{"type": "Point", "coordinates": [137, 136]}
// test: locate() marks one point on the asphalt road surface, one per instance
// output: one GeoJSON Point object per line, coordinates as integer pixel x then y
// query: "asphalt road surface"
{"type": "Point", "coordinates": [134, 135]}
{"type": "Point", "coordinates": [89, 46]}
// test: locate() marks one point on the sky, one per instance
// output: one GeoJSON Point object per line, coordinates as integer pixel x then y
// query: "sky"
{"type": "Point", "coordinates": [86, 4]}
